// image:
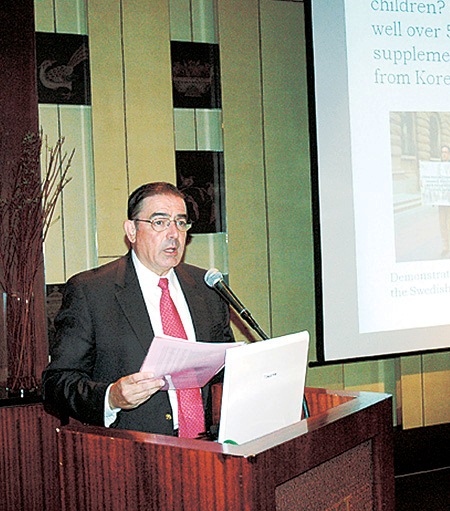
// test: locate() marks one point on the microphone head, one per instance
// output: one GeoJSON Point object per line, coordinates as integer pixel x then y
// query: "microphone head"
{"type": "Point", "coordinates": [212, 277]}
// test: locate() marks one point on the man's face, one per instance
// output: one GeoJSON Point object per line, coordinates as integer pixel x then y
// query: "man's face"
{"type": "Point", "coordinates": [445, 155]}
{"type": "Point", "coordinates": [158, 251]}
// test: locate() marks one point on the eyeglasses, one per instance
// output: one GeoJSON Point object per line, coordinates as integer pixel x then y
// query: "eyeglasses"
{"type": "Point", "coordinates": [162, 224]}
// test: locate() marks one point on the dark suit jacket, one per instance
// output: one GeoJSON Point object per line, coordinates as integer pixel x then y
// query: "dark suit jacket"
{"type": "Point", "coordinates": [104, 332]}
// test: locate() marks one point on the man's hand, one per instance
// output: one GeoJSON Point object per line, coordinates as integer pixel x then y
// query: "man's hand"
{"type": "Point", "coordinates": [133, 390]}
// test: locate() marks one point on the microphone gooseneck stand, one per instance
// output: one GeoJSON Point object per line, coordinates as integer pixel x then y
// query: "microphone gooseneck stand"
{"type": "Point", "coordinates": [214, 279]}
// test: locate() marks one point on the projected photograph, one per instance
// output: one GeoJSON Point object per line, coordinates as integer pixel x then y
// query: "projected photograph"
{"type": "Point", "coordinates": [420, 153]}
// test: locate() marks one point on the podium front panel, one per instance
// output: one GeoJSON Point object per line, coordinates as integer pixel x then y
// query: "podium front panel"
{"type": "Point", "coordinates": [345, 482]}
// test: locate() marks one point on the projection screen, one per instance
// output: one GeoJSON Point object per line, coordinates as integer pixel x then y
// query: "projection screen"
{"type": "Point", "coordinates": [380, 126]}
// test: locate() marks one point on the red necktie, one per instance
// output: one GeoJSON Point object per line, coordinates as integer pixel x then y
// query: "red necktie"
{"type": "Point", "coordinates": [191, 417]}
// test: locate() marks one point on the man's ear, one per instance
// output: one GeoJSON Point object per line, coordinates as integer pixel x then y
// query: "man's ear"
{"type": "Point", "coordinates": [130, 230]}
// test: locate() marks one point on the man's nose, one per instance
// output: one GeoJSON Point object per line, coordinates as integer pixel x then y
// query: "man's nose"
{"type": "Point", "coordinates": [172, 230]}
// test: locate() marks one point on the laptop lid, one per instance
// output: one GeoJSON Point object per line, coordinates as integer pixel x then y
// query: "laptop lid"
{"type": "Point", "coordinates": [263, 387]}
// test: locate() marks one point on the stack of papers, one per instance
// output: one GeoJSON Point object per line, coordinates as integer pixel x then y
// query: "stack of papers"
{"type": "Point", "coordinates": [185, 364]}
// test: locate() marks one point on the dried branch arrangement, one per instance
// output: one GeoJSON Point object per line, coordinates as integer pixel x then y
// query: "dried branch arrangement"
{"type": "Point", "coordinates": [26, 211]}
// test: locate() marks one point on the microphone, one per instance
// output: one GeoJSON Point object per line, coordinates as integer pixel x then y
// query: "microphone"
{"type": "Point", "coordinates": [214, 279]}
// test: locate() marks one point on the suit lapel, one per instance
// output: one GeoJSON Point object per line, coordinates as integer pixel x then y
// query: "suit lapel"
{"type": "Point", "coordinates": [129, 297]}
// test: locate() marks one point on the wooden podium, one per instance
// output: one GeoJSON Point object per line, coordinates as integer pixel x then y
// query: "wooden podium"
{"type": "Point", "coordinates": [341, 458]}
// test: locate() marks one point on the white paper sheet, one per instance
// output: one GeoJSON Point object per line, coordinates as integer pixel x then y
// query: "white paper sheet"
{"type": "Point", "coordinates": [185, 364]}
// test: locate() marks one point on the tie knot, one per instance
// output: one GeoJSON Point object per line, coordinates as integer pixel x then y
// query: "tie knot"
{"type": "Point", "coordinates": [163, 284]}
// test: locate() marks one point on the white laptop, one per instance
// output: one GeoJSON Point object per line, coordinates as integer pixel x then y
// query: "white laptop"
{"type": "Point", "coordinates": [263, 387]}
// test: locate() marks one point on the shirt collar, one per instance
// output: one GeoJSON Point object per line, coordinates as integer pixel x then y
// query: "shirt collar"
{"type": "Point", "coordinates": [149, 275]}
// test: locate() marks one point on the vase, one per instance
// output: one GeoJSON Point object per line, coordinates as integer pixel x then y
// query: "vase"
{"type": "Point", "coordinates": [3, 338]}
{"type": "Point", "coordinates": [19, 339]}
